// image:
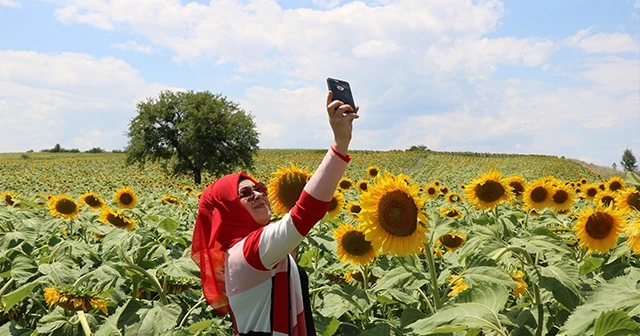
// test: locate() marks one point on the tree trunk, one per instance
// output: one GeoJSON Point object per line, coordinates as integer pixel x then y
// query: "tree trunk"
{"type": "Point", "coordinates": [197, 177]}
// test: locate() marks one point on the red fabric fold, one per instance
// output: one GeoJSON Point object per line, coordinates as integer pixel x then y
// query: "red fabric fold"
{"type": "Point", "coordinates": [221, 222]}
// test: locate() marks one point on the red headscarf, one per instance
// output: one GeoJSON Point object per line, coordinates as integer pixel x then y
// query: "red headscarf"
{"type": "Point", "coordinates": [222, 221]}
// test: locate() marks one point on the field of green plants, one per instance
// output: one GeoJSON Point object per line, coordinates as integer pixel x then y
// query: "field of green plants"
{"type": "Point", "coordinates": [493, 245]}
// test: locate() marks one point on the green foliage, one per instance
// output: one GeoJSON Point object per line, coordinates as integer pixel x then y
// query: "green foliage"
{"type": "Point", "coordinates": [194, 132]}
{"type": "Point", "coordinates": [58, 149]}
{"type": "Point", "coordinates": [628, 161]}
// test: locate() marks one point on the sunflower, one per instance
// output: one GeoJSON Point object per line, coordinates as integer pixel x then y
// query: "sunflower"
{"type": "Point", "coordinates": [590, 191]}
{"type": "Point", "coordinates": [599, 229]}
{"type": "Point", "coordinates": [336, 204]}
{"type": "Point", "coordinates": [562, 199]}
{"type": "Point", "coordinates": [71, 301]}
{"type": "Point", "coordinates": [602, 186]}
{"type": "Point", "coordinates": [450, 212]}
{"type": "Point", "coordinates": [444, 190]}
{"type": "Point", "coordinates": [537, 195]}
{"type": "Point", "coordinates": [452, 241]}
{"type": "Point", "coordinates": [392, 216]}
{"type": "Point", "coordinates": [521, 285]}
{"type": "Point", "coordinates": [126, 198]}
{"type": "Point", "coordinates": [187, 189]}
{"type": "Point", "coordinates": [373, 171]}
{"type": "Point", "coordinates": [583, 181]}
{"type": "Point", "coordinates": [168, 199]}
{"type": "Point", "coordinates": [605, 198]}
{"type": "Point", "coordinates": [353, 208]}
{"type": "Point", "coordinates": [63, 206]}
{"type": "Point", "coordinates": [405, 178]}
{"type": "Point", "coordinates": [431, 190]}
{"type": "Point", "coordinates": [615, 183]}
{"type": "Point", "coordinates": [345, 183]}
{"type": "Point", "coordinates": [92, 200]}
{"type": "Point", "coordinates": [633, 242]}
{"type": "Point", "coordinates": [285, 188]}
{"type": "Point", "coordinates": [350, 276]}
{"type": "Point", "coordinates": [353, 247]}
{"type": "Point", "coordinates": [117, 219]}
{"type": "Point", "coordinates": [629, 200]}
{"type": "Point", "coordinates": [9, 198]}
{"type": "Point", "coordinates": [436, 183]}
{"type": "Point", "coordinates": [363, 185]}
{"type": "Point", "coordinates": [517, 185]}
{"type": "Point", "coordinates": [488, 190]}
{"type": "Point", "coordinates": [453, 198]}
{"type": "Point", "coordinates": [457, 285]}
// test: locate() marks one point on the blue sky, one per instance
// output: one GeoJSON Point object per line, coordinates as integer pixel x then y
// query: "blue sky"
{"type": "Point", "coordinates": [531, 77]}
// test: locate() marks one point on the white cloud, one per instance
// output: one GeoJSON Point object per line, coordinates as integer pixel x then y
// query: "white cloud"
{"type": "Point", "coordinates": [605, 43]}
{"type": "Point", "coordinates": [133, 45]}
{"type": "Point", "coordinates": [376, 48]}
{"type": "Point", "coordinates": [484, 55]}
{"type": "Point", "coordinates": [67, 97]}
{"type": "Point", "coordinates": [288, 118]}
{"type": "Point", "coordinates": [249, 34]}
{"type": "Point", "coordinates": [10, 3]}
{"type": "Point", "coordinates": [637, 4]}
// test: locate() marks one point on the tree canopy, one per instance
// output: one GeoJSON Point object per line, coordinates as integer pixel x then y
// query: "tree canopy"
{"type": "Point", "coordinates": [195, 132]}
{"type": "Point", "coordinates": [628, 161]}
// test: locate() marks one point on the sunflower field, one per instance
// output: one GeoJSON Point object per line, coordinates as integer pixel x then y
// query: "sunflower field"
{"type": "Point", "coordinates": [414, 243]}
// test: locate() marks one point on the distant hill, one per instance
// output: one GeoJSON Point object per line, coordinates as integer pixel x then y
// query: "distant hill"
{"type": "Point", "coordinates": [603, 172]}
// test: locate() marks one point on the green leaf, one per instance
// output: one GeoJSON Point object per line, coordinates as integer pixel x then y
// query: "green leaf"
{"type": "Point", "coordinates": [398, 277]}
{"type": "Point", "coordinates": [410, 315]}
{"type": "Point", "coordinates": [487, 274]}
{"type": "Point", "coordinates": [478, 309]}
{"type": "Point", "coordinates": [169, 224]}
{"type": "Point", "coordinates": [11, 299]}
{"type": "Point", "coordinates": [199, 326]}
{"type": "Point", "coordinates": [618, 294]}
{"type": "Point", "coordinates": [332, 327]}
{"type": "Point", "coordinates": [616, 323]}
{"type": "Point", "coordinates": [457, 317]}
{"type": "Point", "coordinates": [23, 268]}
{"type": "Point", "coordinates": [143, 319]}
{"type": "Point", "coordinates": [52, 321]}
{"type": "Point", "coordinates": [334, 305]}
{"type": "Point", "coordinates": [14, 330]}
{"type": "Point", "coordinates": [590, 264]}
{"type": "Point", "coordinates": [562, 281]}
{"type": "Point", "coordinates": [491, 295]}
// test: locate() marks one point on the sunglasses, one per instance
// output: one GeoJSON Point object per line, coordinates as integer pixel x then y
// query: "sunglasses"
{"type": "Point", "coordinates": [247, 191]}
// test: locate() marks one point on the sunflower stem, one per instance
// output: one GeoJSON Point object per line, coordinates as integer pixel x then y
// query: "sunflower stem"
{"type": "Point", "coordinates": [184, 319]}
{"type": "Point", "coordinates": [434, 277]}
{"type": "Point", "coordinates": [84, 323]}
{"type": "Point", "coordinates": [365, 285]}
{"type": "Point", "coordinates": [4, 289]}
{"type": "Point", "coordinates": [82, 278]}
{"type": "Point", "coordinates": [536, 287]}
{"type": "Point", "coordinates": [152, 278]}
{"type": "Point", "coordinates": [426, 299]}
{"type": "Point", "coordinates": [526, 219]}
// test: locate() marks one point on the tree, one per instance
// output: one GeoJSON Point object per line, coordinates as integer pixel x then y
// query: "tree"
{"type": "Point", "coordinates": [195, 132]}
{"type": "Point", "coordinates": [628, 161]}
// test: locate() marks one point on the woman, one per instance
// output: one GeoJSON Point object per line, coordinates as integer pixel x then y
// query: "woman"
{"type": "Point", "coordinates": [245, 265]}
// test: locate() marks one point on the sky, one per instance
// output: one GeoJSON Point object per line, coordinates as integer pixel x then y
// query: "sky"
{"type": "Point", "coordinates": [524, 77]}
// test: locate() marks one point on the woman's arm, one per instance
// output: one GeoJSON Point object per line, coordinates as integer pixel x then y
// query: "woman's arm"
{"type": "Point", "coordinates": [265, 247]}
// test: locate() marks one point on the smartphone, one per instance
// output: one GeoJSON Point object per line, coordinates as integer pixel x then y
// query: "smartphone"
{"type": "Point", "coordinates": [341, 91]}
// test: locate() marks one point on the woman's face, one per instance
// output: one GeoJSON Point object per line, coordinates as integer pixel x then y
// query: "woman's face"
{"type": "Point", "coordinates": [255, 201]}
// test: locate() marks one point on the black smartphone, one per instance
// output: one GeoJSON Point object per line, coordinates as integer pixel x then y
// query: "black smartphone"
{"type": "Point", "coordinates": [341, 91]}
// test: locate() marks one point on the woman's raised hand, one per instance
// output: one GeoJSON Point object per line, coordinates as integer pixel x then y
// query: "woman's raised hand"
{"type": "Point", "coordinates": [341, 120]}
